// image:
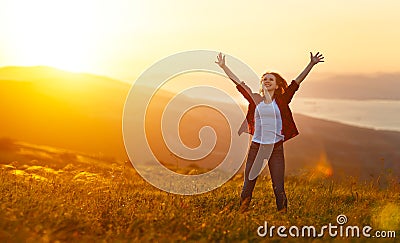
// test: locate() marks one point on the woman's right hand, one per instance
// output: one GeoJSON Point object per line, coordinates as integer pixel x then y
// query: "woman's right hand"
{"type": "Point", "coordinates": [220, 60]}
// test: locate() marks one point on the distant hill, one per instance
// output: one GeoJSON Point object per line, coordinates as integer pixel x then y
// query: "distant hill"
{"type": "Point", "coordinates": [377, 86]}
{"type": "Point", "coordinates": [42, 105]}
{"type": "Point", "coordinates": [83, 112]}
{"type": "Point", "coordinates": [343, 149]}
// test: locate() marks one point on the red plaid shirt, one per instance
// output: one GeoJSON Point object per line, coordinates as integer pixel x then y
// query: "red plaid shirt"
{"type": "Point", "coordinates": [289, 129]}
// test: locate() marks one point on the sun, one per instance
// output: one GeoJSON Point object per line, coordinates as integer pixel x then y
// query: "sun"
{"type": "Point", "coordinates": [60, 34]}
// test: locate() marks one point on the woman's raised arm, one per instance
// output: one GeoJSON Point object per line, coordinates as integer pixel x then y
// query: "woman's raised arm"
{"type": "Point", "coordinates": [221, 62]}
{"type": "Point", "coordinates": [314, 60]}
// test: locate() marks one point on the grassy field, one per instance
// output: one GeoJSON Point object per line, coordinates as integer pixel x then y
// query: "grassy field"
{"type": "Point", "coordinates": [91, 202]}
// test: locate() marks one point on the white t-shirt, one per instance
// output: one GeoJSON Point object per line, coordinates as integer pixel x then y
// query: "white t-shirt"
{"type": "Point", "coordinates": [268, 123]}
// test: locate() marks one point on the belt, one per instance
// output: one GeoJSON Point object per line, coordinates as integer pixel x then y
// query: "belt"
{"type": "Point", "coordinates": [275, 144]}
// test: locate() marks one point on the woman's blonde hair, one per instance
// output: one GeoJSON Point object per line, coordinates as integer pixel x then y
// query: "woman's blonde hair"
{"type": "Point", "coordinates": [281, 82]}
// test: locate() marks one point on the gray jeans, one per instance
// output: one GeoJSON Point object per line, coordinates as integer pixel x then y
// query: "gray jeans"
{"type": "Point", "coordinates": [276, 163]}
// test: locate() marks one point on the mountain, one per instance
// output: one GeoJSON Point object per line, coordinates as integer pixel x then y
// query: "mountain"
{"type": "Point", "coordinates": [339, 149]}
{"type": "Point", "coordinates": [83, 113]}
{"type": "Point", "coordinates": [80, 112]}
{"type": "Point", "coordinates": [356, 86]}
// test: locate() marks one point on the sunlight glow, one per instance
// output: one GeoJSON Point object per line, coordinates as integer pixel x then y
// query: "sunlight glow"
{"type": "Point", "coordinates": [122, 38]}
{"type": "Point", "coordinates": [323, 168]}
{"type": "Point", "coordinates": [63, 34]}
{"type": "Point", "coordinates": [53, 33]}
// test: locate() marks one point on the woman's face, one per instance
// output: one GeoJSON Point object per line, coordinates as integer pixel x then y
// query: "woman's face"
{"type": "Point", "coordinates": [268, 82]}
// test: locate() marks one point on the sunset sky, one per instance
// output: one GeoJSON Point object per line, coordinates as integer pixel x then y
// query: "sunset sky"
{"type": "Point", "coordinates": [121, 38]}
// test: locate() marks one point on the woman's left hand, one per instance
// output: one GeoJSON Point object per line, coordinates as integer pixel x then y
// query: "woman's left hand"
{"type": "Point", "coordinates": [317, 58]}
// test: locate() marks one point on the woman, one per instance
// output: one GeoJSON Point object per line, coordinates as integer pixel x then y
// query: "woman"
{"type": "Point", "coordinates": [270, 121]}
